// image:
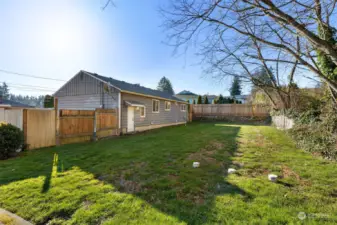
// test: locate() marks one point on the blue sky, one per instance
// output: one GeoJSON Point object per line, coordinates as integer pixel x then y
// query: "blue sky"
{"type": "Point", "coordinates": [56, 39]}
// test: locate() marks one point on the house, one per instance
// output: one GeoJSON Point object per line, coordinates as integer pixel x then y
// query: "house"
{"type": "Point", "coordinates": [139, 108]}
{"type": "Point", "coordinates": [187, 96]}
{"type": "Point", "coordinates": [4, 103]}
{"type": "Point", "coordinates": [242, 98]}
{"type": "Point", "coordinates": [211, 98]}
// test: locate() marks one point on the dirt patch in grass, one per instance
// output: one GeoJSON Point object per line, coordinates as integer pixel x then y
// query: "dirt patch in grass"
{"type": "Point", "coordinates": [257, 172]}
{"type": "Point", "coordinates": [205, 155]}
{"type": "Point", "coordinates": [287, 172]}
{"type": "Point", "coordinates": [130, 186]}
{"type": "Point", "coordinates": [140, 165]}
{"type": "Point", "coordinates": [173, 177]}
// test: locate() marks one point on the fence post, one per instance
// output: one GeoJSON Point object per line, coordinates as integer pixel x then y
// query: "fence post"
{"type": "Point", "coordinates": [24, 127]}
{"type": "Point", "coordinates": [57, 122]}
{"type": "Point", "coordinates": [94, 138]}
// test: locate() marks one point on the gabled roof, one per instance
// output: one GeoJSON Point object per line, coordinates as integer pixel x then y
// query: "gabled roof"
{"type": "Point", "coordinates": [14, 104]}
{"type": "Point", "coordinates": [184, 92]}
{"type": "Point", "coordinates": [133, 88]}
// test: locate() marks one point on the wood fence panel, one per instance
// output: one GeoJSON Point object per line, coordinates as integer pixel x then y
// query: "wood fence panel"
{"type": "Point", "coordinates": [2, 114]}
{"type": "Point", "coordinates": [222, 110]}
{"type": "Point", "coordinates": [76, 125]}
{"type": "Point", "coordinates": [14, 117]}
{"type": "Point", "coordinates": [106, 122]}
{"type": "Point", "coordinates": [39, 128]}
{"type": "Point", "coordinates": [85, 125]}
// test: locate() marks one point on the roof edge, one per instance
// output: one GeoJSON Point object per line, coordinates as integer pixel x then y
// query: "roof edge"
{"type": "Point", "coordinates": [152, 96]}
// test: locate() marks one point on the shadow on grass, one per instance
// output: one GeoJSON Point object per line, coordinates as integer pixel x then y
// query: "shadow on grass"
{"type": "Point", "coordinates": [156, 167]}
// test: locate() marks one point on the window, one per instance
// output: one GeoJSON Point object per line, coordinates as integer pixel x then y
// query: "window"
{"type": "Point", "coordinates": [183, 107]}
{"type": "Point", "coordinates": [167, 106]}
{"type": "Point", "coordinates": [142, 111]}
{"type": "Point", "coordinates": [155, 106]}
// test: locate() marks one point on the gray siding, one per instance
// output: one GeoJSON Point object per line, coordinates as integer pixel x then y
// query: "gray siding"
{"type": "Point", "coordinates": [163, 117]}
{"type": "Point", "coordinates": [89, 102]}
{"type": "Point", "coordinates": [86, 92]}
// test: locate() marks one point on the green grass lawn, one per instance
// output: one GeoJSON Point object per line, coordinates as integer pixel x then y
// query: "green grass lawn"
{"type": "Point", "coordinates": [148, 179]}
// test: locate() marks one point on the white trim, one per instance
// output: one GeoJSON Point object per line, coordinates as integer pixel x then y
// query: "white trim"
{"type": "Point", "coordinates": [152, 96]}
{"type": "Point", "coordinates": [119, 110]}
{"type": "Point", "coordinates": [67, 83]}
{"type": "Point", "coordinates": [169, 105]}
{"type": "Point", "coordinates": [132, 104]}
{"type": "Point", "coordinates": [140, 112]}
{"type": "Point", "coordinates": [101, 80]}
{"type": "Point", "coordinates": [158, 106]}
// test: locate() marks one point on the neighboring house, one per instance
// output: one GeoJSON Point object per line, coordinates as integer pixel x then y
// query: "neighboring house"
{"type": "Point", "coordinates": [187, 96]}
{"type": "Point", "coordinates": [4, 103]}
{"type": "Point", "coordinates": [210, 98]}
{"type": "Point", "coordinates": [242, 98]}
{"type": "Point", "coordinates": [140, 108]}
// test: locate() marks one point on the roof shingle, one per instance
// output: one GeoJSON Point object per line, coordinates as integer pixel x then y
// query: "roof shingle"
{"type": "Point", "coordinates": [136, 88]}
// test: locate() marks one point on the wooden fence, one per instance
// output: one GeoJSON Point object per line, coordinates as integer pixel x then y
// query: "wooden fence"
{"type": "Point", "coordinates": [49, 127]}
{"type": "Point", "coordinates": [39, 128]}
{"type": "Point", "coordinates": [12, 116]}
{"type": "Point", "coordinates": [223, 110]}
{"type": "Point", "coordinates": [85, 125]}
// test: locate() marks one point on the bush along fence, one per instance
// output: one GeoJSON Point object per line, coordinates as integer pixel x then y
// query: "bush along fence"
{"type": "Point", "coordinates": [228, 111]}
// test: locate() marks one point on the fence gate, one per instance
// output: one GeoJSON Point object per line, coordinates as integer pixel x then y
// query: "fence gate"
{"type": "Point", "coordinates": [85, 125]}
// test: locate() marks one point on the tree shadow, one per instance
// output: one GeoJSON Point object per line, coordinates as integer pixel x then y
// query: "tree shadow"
{"type": "Point", "coordinates": [165, 179]}
{"type": "Point", "coordinates": [56, 166]}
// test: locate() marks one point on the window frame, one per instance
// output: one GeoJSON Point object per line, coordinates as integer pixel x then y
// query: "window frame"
{"type": "Point", "coordinates": [155, 100]}
{"type": "Point", "coordinates": [140, 112]}
{"type": "Point", "coordinates": [169, 105]}
{"type": "Point", "coordinates": [181, 106]}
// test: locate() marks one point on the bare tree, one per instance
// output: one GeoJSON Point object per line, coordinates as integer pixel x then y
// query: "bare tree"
{"type": "Point", "coordinates": [248, 34]}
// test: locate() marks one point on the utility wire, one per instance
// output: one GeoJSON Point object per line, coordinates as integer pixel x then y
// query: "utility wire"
{"type": "Point", "coordinates": [31, 89]}
{"type": "Point", "coordinates": [28, 75]}
{"type": "Point", "coordinates": [27, 85]}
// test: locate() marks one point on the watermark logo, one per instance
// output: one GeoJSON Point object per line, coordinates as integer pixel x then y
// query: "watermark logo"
{"type": "Point", "coordinates": [302, 215]}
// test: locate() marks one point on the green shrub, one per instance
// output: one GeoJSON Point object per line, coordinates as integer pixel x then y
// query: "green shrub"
{"type": "Point", "coordinates": [11, 139]}
{"type": "Point", "coordinates": [317, 135]}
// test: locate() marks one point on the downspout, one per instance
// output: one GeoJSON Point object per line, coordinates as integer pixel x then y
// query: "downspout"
{"type": "Point", "coordinates": [119, 112]}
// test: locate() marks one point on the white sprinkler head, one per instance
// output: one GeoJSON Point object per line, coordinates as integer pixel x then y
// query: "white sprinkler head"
{"type": "Point", "coordinates": [196, 164]}
{"type": "Point", "coordinates": [272, 177]}
{"type": "Point", "coordinates": [231, 170]}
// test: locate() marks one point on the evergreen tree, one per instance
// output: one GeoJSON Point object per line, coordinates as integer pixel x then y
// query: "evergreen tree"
{"type": "Point", "coordinates": [262, 77]}
{"type": "Point", "coordinates": [193, 101]}
{"type": "Point", "coordinates": [199, 100]}
{"type": "Point", "coordinates": [4, 90]}
{"type": "Point", "coordinates": [236, 87]}
{"type": "Point", "coordinates": [221, 99]}
{"type": "Point", "coordinates": [165, 85]}
{"type": "Point", "coordinates": [48, 101]}
{"type": "Point", "coordinates": [206, 100]}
